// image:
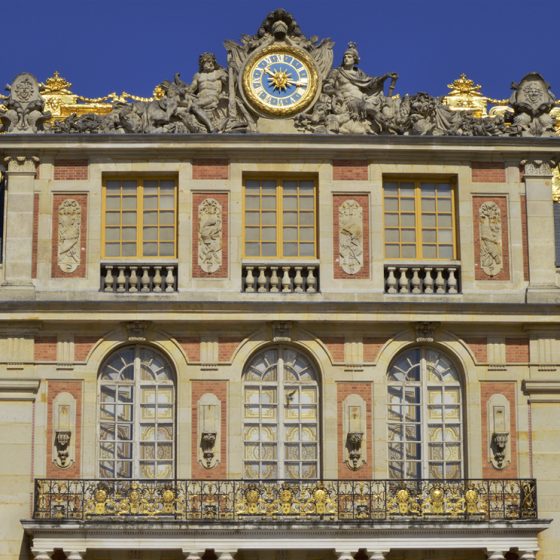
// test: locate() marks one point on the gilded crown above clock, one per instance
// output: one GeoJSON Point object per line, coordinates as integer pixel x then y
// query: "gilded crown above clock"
{"type": "Point", "coordinates": [280, 81]}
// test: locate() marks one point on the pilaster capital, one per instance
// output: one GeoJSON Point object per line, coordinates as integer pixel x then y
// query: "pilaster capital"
{"type": "Point", "coordinates": [541, 168]}
{"type": "Point", "coordinates": [21, 165]}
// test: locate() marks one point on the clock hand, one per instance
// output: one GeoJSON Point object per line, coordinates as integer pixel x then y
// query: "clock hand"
{"type": "Point", "coordinates": [299, 84]}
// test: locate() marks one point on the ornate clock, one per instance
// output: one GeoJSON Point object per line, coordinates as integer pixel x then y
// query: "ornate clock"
{"type": "Point", "coordinates": [280, 80]}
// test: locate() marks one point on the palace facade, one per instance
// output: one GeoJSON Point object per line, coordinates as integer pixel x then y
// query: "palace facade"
{"type": "Point", "coordinates": [281, 312]}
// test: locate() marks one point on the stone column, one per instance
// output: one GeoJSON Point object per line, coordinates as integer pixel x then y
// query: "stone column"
{"type": "Point", "coordinates": [19, 221]}
{"type": "Point", "coordinates": [41, 554]}
{"type": "Point", "coordinates": [540, 224]}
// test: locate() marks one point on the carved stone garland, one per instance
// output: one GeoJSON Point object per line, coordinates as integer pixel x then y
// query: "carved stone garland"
{"type": "Point", "coordinates": [69, 235]}
{"type": "Point", "coordinates": [491, 250]}
{"type": "Point", "coordinates": [210, 235]}
{"type": "Point", "coordinates": [350, 236]}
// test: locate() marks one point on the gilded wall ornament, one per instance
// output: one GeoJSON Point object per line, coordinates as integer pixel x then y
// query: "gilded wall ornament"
{"type": "Point", "coordinates": [350, 236]}
{"type": "Point", "coordinates": [69, 235]}
{"type": "Point", "coordinates": [490, 227]}
{"type": "Point", "coordinates": [210, 235]}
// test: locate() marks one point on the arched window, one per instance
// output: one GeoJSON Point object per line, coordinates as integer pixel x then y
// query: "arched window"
{"type": "Point", "coordinates": [424, 416]}
{"type": "Point", "coordinates": [136, 415]}
{"type": "Point", "coordinates": [281, 416]}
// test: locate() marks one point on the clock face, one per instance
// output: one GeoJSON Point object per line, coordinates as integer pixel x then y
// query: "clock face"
{"type": "Point", "coordinates": [280, 81]}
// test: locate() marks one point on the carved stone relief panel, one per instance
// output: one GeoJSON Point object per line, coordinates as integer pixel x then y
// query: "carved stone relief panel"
{"type": "Point", "coordinates": [351, 237]}
{"type": "Point", "coordinates": [491, 250]}
{"type": "Point", "coordinates": [64, 430]}
{"type": "Point", "coordinates": [210, 235]}
{"type": "Point", "coordinates": [69, 225]}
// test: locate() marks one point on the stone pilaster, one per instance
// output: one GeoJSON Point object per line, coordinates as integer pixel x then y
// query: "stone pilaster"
{"type": "Point", "coordinates": [19, 224]}
{"type": "Point", "coordinates": [540, 224]}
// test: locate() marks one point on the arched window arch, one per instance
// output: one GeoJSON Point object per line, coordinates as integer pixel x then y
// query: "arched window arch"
{"type": "Point", "coordinates": [280, 415]}
{"type": "Point", "coordinates": [136, 402]}
{"type": "Point", "coordinates": [425, 416]}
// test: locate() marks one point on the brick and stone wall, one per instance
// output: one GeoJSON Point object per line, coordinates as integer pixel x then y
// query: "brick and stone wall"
{"type": "Point", "coordinates": [210, 169]}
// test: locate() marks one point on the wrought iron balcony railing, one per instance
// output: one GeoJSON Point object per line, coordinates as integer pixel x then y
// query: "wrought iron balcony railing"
{"type": "Point", "coordinates": [334, 501]}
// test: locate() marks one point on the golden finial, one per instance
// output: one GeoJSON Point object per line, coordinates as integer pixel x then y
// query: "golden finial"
{"type": "Point", "coordinates": [464, 86]}
{"type": "Point", "coordinates": [56, 84]}
{"type": "Point", "coordinates": [465, 95]}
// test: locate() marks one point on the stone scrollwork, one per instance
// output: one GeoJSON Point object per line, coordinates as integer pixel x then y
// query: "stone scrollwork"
{"type": "Point", "coordinates": [24, 106]}
{"type": "Point", "coordinates": [210, 235]}
{"type": "Point", "coordinates": [491, 250]}
{"type": "Point", "coordinates": [350, 236]}
{"type": "Point", "coordinates": [69, 235]}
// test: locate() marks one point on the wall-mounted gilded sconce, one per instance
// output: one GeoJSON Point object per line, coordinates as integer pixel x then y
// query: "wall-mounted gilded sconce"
{"type": "Point", "coordinates": [64, 423]}
{"type": "Point", "coordinates": [498, 430]}
{"type": "Point", "coordinates": [354, 427]}
{"type": "Point", "coordinates": [209, 418]}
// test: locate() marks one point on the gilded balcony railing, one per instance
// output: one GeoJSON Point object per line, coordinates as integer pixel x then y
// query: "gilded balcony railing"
{"type": "Point", "coordinates": [250, 501]}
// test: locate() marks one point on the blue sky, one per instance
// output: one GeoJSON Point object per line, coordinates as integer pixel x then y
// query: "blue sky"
{"type": "Point", "coordinates": [103, 46]}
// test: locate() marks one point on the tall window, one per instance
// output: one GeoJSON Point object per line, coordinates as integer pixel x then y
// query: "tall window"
{"type": "Point", "coordinates": [136, 415]}
{"type": "Point", "coordinates": [139, 218]}
{"type": "Point", "coordinates": [419, 219]}
{"type": "Point", "coordinates": [280, 419]}
{"type": "Point", "coordinates": [280, 216]}
{"type": "Point", "coordinates": [424, 416]}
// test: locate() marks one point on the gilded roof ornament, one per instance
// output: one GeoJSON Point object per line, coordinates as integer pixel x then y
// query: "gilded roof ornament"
{"type": "Point", "coordinates": [556, 184]}
{"type": "Point", "coordinates": [465, 95]}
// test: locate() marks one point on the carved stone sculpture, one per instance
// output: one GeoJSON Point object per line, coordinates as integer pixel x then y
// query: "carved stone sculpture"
{"type": "Point", "coordinates": [532, 101]}
{"type": "Point", "coordinates": [25, 106]}
{"type": "Point", "coordinates": [350, 236]}
{"type": "Point", "coordinates": [69, 235]}
{"type": "Point", "coordinates": [210, 235]}
{"type": "Point", "coordinates": [491, 250]}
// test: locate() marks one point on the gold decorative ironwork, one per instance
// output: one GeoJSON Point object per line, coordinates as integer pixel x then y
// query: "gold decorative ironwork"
{"type": "Point", "coordinates": [465, 95]}
{"type": "Point", "coordinates": [556, 183]}
{"type": "Point", "coordinates": [328, 500]}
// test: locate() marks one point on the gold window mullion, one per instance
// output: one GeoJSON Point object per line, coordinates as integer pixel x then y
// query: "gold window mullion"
{"type": "Point", "coordinates": [140, 218]}
{"type": "Point", "coordinates": [418, 219]}
{"type": "Point", "coordinates": [280, 218]}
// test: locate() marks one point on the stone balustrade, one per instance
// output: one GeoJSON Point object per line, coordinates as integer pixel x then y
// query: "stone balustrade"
{"type": "Point", "coordinates": [138, 278]}
{"type": "Point", "coordinates": [422, 279]}
{"type": "Point", "coordinates": [280, 278]}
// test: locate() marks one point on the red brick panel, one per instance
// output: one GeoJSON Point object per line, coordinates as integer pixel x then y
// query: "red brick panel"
{"type": "Point", "coordinates": [350, 170]}
{"type": "Point", "coordinates": [517, 350]}
{"type": "Point", "coordinates": [363, 390]}
{"type": "Point", "coordinates": [71, 170]}
{"type": "Point", "coordinates": [363, 201]}
{"type": "Point", "coordinates": [210, 169]}
{"type": "Point", "coordinates": [524, 238]}
{"type": "Point", "coordinates": [222, 272]}
{"type": "Point", "coordinates": [478, 345]}
{"type": "Point", "coordinates": [227, 345]}
{"type": "Point", "coordinates": [80, 272]}
{"type": "Point", "coordinates": [372, 346]}
{"type": "Point", "coordinates": [218, 388]}
{"type": "Point", "coordinates": [75, 389]}
{"type": "Point", "coordinates": [45, 349]}
{"type": "Point", "coordinates": [488, 172]}
{"type": "Point", "coordinates": [83, 346]}
{"type": "Point", "coordinates": [335, 346]}
{"type": "Point", "coordinates": [487, 389]}
{"type": "Point", "coordinates": [35, 239]}
{"type": "Point", "coordinates": [501, 202]}
{"type": "Point", "coordinates": [190, 346]}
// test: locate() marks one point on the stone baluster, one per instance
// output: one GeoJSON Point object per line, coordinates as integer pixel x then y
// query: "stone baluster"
{"type": "Point", "coordinates": [452, 281]}
{"type": "Point", "coordinates": [440, 282]}
{"type": "Point", "coordinates": [261, 280]}
{"type": "Point", "coordinates": [42, 554]}
{"type": "Point", "coordinates": [311, 280]}
{"type": "Point", "coordinates": [121, 279]}
{"type": "Point", "coordinates": [249, 280]}
{"type": "Point", "coordinates": [286, 282]}
{"type": "Point", "coordinates": [108, 281]}
{"type": "Point", "coordinates": [75, 554]}
{"type": "Point", "coordinates": [170, 279]}
{"type": "Point", "coordinates": [226, 554]}
{"type": "Point", "coordinates": [416, 289]}
{"type": "Point", "coordinates": [391, 280]}
{"type": "Point", "coordinates": [495, 554]}
{"type": "Point", "coordinates": [377, 554]}
{"type": "Point", "coordinates": [133, 280]}
{"type": "Point", "coordinates": [298, 280]}
{"type": "Point", "coordinates": [145, 280]}
{"type": "Point", "coordinates": [527, 555]}
{"type": "Point", "coordinates": [344, 555]}
{"type": "Point", "coordinates": [403, 280]}
{"type": "Point", "coordinates": [428, 281]}
{"type": "Point", "coordinates": [274, 280]}
{"type": "Point", "coordinates": [193, 555]}
{"type": "Point", "coordinates": [157, 279]}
